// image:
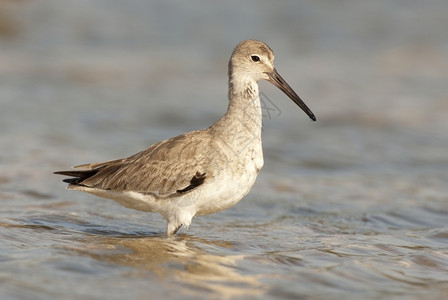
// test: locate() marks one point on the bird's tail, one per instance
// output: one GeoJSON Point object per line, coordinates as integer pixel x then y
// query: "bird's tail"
{"type": "Point", "coordinates": [78, 176]}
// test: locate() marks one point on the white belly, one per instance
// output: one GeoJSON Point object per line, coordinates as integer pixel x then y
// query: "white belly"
{"type": "Point", "coordinates": [227, 189]}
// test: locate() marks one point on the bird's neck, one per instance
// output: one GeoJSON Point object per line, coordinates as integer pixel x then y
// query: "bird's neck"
{"type": "Point", "coordinates": [244, 110]}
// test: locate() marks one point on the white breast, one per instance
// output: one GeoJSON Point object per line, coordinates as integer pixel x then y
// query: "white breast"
{"type": "Point", "coordinates": [230, 185]}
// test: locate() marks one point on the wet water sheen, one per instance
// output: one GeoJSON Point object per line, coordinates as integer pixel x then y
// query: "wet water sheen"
{"type": "Point", "coordinates": [354, 206]}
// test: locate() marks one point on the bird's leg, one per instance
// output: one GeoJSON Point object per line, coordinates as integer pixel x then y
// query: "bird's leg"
{"type": "Point", "coordinates": [177, 229]}
{"type": "Point", "coordinates": [171, 229]}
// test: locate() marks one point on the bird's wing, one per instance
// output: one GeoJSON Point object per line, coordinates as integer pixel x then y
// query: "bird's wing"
{"type": "Point", "coordinates": [176, 165]}
{"type": "Point", "coordinates": [92, 166]}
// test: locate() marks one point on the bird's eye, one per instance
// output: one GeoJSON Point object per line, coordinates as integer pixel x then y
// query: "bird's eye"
{"type": "Point", "coordinates": [255, 58]}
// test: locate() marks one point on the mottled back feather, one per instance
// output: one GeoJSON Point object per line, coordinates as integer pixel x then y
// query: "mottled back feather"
{"type": "Point", "coordinates": [176, 165]}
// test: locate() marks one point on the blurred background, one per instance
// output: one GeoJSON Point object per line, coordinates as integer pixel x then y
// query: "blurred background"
{"type": "Point", "coordinates": [361, 191]}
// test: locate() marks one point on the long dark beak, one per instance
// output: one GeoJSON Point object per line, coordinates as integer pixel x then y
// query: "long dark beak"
{"type": "Point", "coordinates": [279, 82]}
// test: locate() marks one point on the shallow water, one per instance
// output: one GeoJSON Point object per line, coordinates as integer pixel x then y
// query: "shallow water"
{"type": "Point", "coordinates": [354, 206]}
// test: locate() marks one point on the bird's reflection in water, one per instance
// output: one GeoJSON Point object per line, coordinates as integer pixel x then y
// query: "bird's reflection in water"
{"type": "Point", "coordinates": [178, 258]}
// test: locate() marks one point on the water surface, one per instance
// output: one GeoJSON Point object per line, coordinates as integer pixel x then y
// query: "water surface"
{"type": "Point", "coordinates": [353, 206]}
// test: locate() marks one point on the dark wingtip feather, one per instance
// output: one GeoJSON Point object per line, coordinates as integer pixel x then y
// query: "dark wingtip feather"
{"type": "Point", "coordinates": [72, 180]}
{"type": "Point", "coordinates": [79, 176]}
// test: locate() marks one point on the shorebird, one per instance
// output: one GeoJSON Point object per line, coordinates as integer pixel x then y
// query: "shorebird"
{"type": "Point", "coordinates": [199, 172]}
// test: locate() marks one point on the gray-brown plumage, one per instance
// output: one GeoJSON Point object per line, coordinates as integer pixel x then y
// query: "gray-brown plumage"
{"type": "Point", "coordinates": [151, 170]}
